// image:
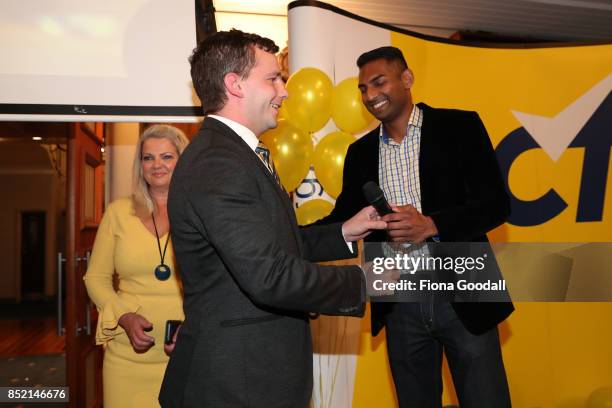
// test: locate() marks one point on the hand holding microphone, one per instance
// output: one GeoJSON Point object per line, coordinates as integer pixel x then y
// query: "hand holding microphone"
{"type": "Point", "coordinates": [376, 198]}
{"type": "Point", "coordinates": [404, 223]}
{"type": "Point", "coordinates": [361, 224]}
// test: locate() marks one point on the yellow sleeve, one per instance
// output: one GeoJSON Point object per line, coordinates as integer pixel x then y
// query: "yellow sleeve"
{"type": "Point", "coordinates": [99, 281]}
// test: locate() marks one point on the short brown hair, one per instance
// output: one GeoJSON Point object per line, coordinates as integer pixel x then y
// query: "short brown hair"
{"type": "Point", "coordinates": [218, 55]}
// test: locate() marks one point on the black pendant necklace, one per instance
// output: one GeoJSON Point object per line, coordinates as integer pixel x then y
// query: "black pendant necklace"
{"type": "Point", "coordinates": [162, 271]}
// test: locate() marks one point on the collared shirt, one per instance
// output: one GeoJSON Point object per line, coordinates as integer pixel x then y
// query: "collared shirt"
{"type": "Point", "coordinates": [249, 138]}
{"type": "Point", "coordinates": [398, 163]}
{"type": "Point", "coordinates": [244, 132]}
{"type": "Point", "coordinates": [398, 172]}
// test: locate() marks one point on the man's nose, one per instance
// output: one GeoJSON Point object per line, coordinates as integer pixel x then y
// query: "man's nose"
{"type": "Point", "coordinates": [282, 92]}
{"type": "Point", "coordinates": [370, 94]}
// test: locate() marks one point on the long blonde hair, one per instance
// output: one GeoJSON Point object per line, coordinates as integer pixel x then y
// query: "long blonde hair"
{"type": "Point", "coordinates": [141, 199]}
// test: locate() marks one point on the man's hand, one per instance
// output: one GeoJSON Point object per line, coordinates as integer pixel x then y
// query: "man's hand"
{"type": "Point", "coordinates": [407, 224]}
{"type": "Point", "coordinates": [361, 224]}
{"type": "Point", "coordinates": [135, 326]}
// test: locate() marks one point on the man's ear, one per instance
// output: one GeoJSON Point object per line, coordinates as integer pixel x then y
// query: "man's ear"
{"type": "Point", "coordinates": [233, 84]}
{"type": "Point", "coordinates": [407, 78]}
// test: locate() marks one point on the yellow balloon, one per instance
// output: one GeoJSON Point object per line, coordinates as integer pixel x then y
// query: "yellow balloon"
{"type": "Point", "coordinates": [291, 149]}
{"type": "Point", "coordinates": [347, 108]}
{"type": "Point", "coordinates": [313, 210]}
{"type": "Point", "coordinates": [310, 96]}
{"type": "Point", "coordinates": [329, 161]}
{"type": "Point", "coordinates": [600, 398]}
{"type": "Point", "coordinates": [283, 113]}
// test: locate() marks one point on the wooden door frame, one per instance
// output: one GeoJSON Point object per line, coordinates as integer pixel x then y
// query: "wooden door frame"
{"type": "Point", "coordinates": [76, 368]}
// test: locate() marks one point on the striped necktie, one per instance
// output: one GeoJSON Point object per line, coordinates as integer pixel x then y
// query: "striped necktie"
{"type": "Point", "coordinates": [264, 154]}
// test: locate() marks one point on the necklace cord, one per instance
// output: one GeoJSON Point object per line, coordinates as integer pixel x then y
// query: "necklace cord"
{"type": "Point", "coordinates": [161, 255]}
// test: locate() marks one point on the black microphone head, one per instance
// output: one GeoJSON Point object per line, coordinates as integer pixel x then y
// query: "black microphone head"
{"type": "Point", "coordinates": [372, 192]}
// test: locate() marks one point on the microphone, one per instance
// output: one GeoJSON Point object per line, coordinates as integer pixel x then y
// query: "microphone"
{"type": "Point", "coordinates": [376, 198]}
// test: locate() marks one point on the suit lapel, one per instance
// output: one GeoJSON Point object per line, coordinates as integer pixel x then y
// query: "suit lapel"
{"type": "Point", "coordinates": [249, 155]}
{"type": "Point", "coordinates": [425, 154]}
{"type": "Point", "coordinates": [370, 159]}
{"type": "Point", "coordinates": [282, 195]}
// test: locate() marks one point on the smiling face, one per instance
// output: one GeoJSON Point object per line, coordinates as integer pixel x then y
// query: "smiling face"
{"type": "Point", "coordinates": [385, 89]}
{"type": "Point", "coordinates": [264, 92]}
{"type": "Point", "coordinates": [158, 159]}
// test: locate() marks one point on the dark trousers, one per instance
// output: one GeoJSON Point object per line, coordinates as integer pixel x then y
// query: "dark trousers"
{"type": "Point", "coordinates": [418, 333]}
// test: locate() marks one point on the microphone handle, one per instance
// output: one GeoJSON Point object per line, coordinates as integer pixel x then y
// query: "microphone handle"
{"type": "Point", "coordinates": [382, 206]}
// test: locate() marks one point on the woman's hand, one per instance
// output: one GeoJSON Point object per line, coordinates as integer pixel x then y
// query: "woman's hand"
{"type": "Point", "coordinates": [135, 327]}
{"type": "Point", "coordinates": [168, 348]}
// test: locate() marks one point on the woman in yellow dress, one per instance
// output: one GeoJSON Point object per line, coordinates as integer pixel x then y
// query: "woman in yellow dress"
{"type": "Point", "coordinates": [133, 242]}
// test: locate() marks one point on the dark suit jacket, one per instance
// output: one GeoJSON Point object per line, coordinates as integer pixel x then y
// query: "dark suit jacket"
{"type": "Point", "coordinates": [462, 190]}
{"type": "Point", "coordinates": [246, 338]}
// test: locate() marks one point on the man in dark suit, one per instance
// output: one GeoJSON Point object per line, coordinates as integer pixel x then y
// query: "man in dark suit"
{"type": "Point", "coordinates": [247, 285]}
{"type": "Point", "coordinates": [439, 169]}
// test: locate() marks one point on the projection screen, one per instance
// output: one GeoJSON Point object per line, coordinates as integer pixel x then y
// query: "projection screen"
{"type": "Point", "coordinates": [112, 60]}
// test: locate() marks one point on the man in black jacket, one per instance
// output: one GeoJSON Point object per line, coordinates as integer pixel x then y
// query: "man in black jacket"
{"type": "Point", "coordinates": [438, 168]}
